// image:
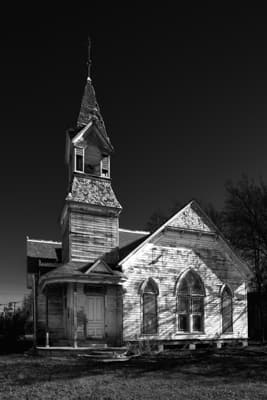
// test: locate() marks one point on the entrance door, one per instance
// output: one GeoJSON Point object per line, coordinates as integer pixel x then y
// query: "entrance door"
{"type": "Point", "coordinates": [96, 319]}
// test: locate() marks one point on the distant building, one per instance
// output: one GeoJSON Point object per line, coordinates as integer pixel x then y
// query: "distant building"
{"type": "Point", "coordinates": [181, 284]}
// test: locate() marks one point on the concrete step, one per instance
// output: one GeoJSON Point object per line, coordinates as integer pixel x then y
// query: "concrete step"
{"type": "Point", "coordinates": [104, 357]}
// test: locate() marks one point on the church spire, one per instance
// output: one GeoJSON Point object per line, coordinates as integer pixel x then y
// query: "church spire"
{"type": "Point", "coordinates": [90, 110]}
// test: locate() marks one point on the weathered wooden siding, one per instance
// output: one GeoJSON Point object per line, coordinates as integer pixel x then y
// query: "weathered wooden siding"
{"type": "Point", "coordinates": [55, 321]}
{"type": "Point", "coordinates": [65, 242]}
{"type": "Point", "coordinates": [92, 235]}
{"type": "Point", "coordinates": [179, 238]}
{"type": "Point", "coordinates": [69, 311]}
{"type": "Point", "coordinates": [41, 316]}
{"type": "Point", "coordinates": [165, 264]}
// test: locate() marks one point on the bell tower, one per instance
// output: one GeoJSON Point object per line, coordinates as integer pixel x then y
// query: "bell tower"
{"type": "Point", "coordinates": [90, 217]}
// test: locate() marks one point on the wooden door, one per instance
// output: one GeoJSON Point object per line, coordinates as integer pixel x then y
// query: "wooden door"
{"type": "Point", "coordinates": [96, 317]}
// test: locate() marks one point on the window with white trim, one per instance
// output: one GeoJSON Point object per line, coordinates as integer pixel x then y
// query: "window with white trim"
{"type": "Point", "coordinates": [190, 303]}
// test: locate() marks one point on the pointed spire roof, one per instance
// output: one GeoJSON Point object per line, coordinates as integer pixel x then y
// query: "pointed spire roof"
{"type": "Point", "coordinates": [90, 110]}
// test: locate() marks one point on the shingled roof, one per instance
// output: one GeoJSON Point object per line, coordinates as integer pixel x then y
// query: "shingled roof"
{"type": "Point", "coordinates": [44, 249]}
{"type": "Point", "coordinates": [50, 250]}
{"type": "Point", "coordinates": [127, 237]}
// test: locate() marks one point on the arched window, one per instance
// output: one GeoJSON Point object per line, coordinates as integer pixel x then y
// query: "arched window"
{"type": "Point", "coordinates": [149, 293]}
{"type": "Point", "coordinates": [227, 310]}
{"type": "Point", "coordinates": [190, 303]}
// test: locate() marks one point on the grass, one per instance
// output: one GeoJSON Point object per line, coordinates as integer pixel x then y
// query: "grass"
{"type": "Point", "coordinates": [202, 374]}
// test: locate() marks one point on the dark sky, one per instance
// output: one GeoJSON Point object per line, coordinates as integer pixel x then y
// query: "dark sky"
{"type": "Point", "coordinates": [182, 93]}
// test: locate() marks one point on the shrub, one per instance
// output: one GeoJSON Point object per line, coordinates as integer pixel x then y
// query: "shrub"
{"type": "Point", "coordinates": [12, 331]}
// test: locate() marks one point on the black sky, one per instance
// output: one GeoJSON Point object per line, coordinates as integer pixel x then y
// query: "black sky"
{"type": "Point", "coordinates": [182, 93]}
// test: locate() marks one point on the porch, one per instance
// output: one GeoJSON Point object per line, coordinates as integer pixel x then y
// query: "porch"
{"type": "Point", "coordinates": [79, 313]}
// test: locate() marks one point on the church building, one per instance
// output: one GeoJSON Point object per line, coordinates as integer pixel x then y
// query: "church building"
{"type": "Point", "coordinates": [108, 285]}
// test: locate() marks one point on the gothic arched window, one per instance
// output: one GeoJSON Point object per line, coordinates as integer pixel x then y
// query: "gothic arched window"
{"type": "Point", "coordinates": [149, 293]}
{"type": "Point", "coordinates": [190, 303]}
{"type": "Point", "coordinates": [227, 310]}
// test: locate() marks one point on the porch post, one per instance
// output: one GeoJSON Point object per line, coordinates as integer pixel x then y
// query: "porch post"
{"type": "Point", "coordinates": [46, 320]}
{"type": "Point", "coordinates": [35, 315]}
{"type": "Point", "coordinates": [75, 335]}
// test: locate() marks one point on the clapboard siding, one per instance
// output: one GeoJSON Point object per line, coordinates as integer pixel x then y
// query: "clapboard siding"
{"type": "Point", "coordinates": [65, 242]}
{"type": "Point", "coordinates": [92, 235]}
{"type": "Point", "coordinates": [55, 319]}
{"type": "Point", "coordinates": [165, 264]}
{"type": "Point", "coordinates": [187, 239]}
{"type": "Point", "coordinates": [55, 312]}
{"type": "Point", "coordinates": [41, 316]}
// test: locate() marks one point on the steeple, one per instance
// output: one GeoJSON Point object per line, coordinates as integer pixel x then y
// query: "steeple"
{"type": "Point", "coordinates": [90, 110]}
{"type": "Point", "coordinates": [90, 218]}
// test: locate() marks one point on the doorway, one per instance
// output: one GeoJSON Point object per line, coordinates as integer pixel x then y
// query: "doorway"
{"type": "Point", "coordinates": [96, 317]}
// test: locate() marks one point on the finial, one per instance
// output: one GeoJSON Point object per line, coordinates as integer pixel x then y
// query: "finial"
{"type": "Point", "coordinates": [89, 62]}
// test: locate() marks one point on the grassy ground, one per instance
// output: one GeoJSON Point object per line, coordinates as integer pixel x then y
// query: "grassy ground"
{"type": "Point", "coordinates": [222, 374]}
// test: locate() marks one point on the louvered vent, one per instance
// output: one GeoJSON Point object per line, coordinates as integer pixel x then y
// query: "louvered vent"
{"type": "Point", "coordinates": [105, 167]}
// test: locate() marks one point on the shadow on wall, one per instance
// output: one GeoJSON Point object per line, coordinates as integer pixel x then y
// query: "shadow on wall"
{"type": "Point", "coordinates": [167, 314]}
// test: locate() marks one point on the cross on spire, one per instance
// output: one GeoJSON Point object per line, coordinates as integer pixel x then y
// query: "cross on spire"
{"type": "Point", "coordinates": [89, 61]}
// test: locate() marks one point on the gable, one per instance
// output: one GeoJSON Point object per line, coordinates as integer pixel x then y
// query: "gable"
{"type": "Point", "coordinates": [93, 132]}
{"type": "Point", "coordinates": [99, 267]}
{"type": "Point", "coordinates": [191, 220]}
{"type": "Point", "coordinates": [192, 217]}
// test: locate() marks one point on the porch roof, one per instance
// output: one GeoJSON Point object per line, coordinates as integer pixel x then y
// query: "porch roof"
{"type": "Point", "coordinates": [73, 272]}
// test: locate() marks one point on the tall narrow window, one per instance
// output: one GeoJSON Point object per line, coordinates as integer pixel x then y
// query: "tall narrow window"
{"type": "Point", "coordinates": [79, 159]}
{"type": "Point", "coordinates": [227, 310]}
{"type": "Point", "coordinates": [149, 303]}
{"type": "Point", "coordinates": [190, 303]}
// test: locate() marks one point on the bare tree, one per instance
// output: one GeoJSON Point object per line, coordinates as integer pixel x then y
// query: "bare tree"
{"type": "Point", "coordinates": [156, 219]}
{"type": "Point", "coordinates": [245, 226]}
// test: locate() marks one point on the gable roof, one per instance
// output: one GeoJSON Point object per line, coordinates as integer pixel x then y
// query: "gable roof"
{"type": "Point", "coordinates": [94, 122]}
{"type": "Point", "coordinates": [193, 219]}
{"type": "Point", "coordinates": [44, 249]}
